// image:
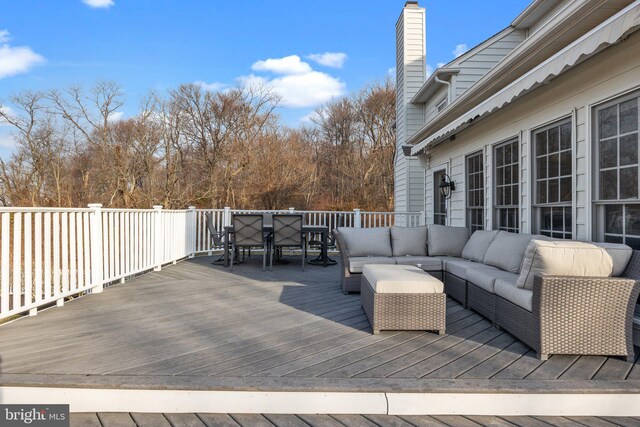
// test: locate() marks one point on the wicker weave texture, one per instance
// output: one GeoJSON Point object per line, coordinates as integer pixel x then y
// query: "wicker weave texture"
{"type": "Point", "coordinates": [456, 288]}
{"type": "Point", "coordinates": [350, 282]}
{"type": "Point", "coordinates": [482, 301]}
{"type": "Point", "coordinates": [403, 312]}
{"type": "Point", "coordinates": [585, 315]}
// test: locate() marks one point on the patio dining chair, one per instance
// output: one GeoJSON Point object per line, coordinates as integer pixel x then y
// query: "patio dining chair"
{"type": "Point", "coordinates": [287, 233]}
{"type": "Point", "coordinates": [216, 237]}
{"type": "Point", "coordinates": [248, 232]}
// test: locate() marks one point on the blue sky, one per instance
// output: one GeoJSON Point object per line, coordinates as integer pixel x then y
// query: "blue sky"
{"type": "Point", "coordinates": [159, 44]}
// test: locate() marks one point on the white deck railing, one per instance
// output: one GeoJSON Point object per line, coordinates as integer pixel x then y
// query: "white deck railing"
{"type": "Point", "coordinates": [332, 219]}
{"type": "Point", "coordinates": [49, 254]}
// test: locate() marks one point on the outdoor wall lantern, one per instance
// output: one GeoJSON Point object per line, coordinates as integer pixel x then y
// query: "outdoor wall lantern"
{"type": "Point", "coordinates": [447, 186]}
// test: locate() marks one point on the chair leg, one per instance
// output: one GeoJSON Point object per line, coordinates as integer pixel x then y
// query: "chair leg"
{"type": "Point", "coordinates": [271, 258]}
{"type": "Point", "coordinates": [264, 257]}
{"type": "Point", "coordinates": [304, 255]}
{"type": "Point", "coordinates": [233, 252]}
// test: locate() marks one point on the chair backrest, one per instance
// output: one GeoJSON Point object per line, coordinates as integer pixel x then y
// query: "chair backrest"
{"type": "Point", "coordinates": [339, 223]}
{"type": "Point", "coordinates": [248, 230]}
{"type": "Point", "coordinates": [216, 236]}
{"type": "Point", "coordinates": [287, 229]}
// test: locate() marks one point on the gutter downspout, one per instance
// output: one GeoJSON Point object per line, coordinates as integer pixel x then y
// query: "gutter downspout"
{"type": "Point", "coordinates": [448, 87]}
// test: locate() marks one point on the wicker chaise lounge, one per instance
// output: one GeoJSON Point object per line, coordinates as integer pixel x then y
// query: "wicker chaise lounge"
{"type": "Point", "coordinates": [554, 314]}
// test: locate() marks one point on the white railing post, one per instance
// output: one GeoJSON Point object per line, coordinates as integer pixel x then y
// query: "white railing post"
{"type": "Point", "coordinates": [357, 219]}
{"type": "Point", "coordinates": [158, 237]}
{"type": "Point", "coordinates": [96, 248]}
{"type": "Point", "coordinates": [423, 218]}
{"type": "Point", "coordinates": [192, 231]}
{"type": "Point", "coordinates": [158, 233]}
{"type": "Point", "coordinates": [226, 218]}
{"type": "Point", "coordinates": [292, 210]}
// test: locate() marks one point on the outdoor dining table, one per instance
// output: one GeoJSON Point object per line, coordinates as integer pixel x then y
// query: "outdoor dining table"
{"type": "Point", "coordinates": [268, 228]}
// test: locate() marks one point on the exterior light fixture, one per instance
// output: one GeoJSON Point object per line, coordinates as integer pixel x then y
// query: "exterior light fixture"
{"type": "Point", "coordinates": [447, 186]}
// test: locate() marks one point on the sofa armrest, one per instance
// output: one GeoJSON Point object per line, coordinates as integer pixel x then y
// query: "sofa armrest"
{"type": "Point", "coordinates": [344, 252]}
{"type": "Point", "coordinates": [585, 315]}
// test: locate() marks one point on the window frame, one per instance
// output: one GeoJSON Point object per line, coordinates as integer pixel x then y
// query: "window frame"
{"type": "Point", "coordinates": [537, 208]}
{"type": "Point", "coordinates": [515, 140]}
{"type": "Point", "coordinates": [437, 196]}
{"type": "Point", "coordinates": [442, 104]}
{"type": "Point", "coordinates": [468, 208]}
{"type": "Point", "coordinates": [599, 204]}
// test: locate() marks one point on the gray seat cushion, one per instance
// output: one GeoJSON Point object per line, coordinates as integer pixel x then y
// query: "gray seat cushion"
{"type": "Point", "coordinates": [444, 240]}
{"type": "Point", "coordinates": [507, 250]}
{"type": "Point", "coordinates": [508, 290]}
{"type": "Point", "coordinates": [367, 241]}
{"type": "Point", "coordinates": [459, 267]}
{"type": "Point", "coordinates": [620, 255]}
{"type": "Point", "coordinates": [485, 276]}
{"type": "Point", "coordinates": [427, 263]}
{"type": "Point", "coordinates": [356, 263]}
{"type": "Point", "coordinates": [409, 241]}
{"type": "Point", "coordinates": [479, 242]}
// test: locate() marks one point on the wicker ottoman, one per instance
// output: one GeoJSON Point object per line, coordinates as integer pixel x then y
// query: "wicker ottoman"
{"type": "Point", "coordinates": [402, 298]}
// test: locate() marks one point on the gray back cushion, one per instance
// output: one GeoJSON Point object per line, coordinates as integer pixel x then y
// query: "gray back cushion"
{"type": "Point", "coordinates": [507, 250]}
{"type": "Point", "coordinates": [445, 240]}
{"type": "Point", "coordinates": [367, 241]}
{"type": "Point", "coordinates": [476, 247]}
{"type": "Point", "coordinates": [620, 255]}
{"type": "Point", "coordinates": [409, 241]}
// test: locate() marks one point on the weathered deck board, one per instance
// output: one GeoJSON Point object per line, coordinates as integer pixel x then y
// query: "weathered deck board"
{"type": "Point", "coordinates": [195, 320]}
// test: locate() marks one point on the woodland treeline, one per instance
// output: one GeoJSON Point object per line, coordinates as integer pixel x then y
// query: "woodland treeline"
{"type": "Point", "coordinates": [190, 146]}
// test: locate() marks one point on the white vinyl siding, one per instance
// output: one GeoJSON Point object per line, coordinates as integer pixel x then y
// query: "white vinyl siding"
{"type": "Point", "coordinates": [410, 75]}
{"type": "Point", "coordinates": [613, 71]}
{"type": "Point", "coordinates": [478, 64]}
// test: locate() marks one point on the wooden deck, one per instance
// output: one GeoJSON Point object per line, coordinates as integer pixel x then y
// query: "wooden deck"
{"type": "Point", "coordinates": [270, 420]}
{"type": "Point", "coordinates": [199, 326]}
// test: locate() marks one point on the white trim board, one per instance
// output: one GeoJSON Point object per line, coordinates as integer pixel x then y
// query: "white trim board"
{"type": "Point", "coordinates": [184, 401]}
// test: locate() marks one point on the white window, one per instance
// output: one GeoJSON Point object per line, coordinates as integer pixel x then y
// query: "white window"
{"type": "Point", "coordinates": [442, 104]}
{"type": "Point", "coordinates": [475, 191]}
{"type": "Point", "coordinates": [616, 162]}
{"type": "Point", "coordinates": [552, 178]}
{"type": "Point", "coordinates": [506, 168]}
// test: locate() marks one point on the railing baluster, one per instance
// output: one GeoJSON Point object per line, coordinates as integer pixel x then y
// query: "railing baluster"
{"type": "Point", "coordinates": [17, 253]}
{"type": "Point", "coordinates": [4, 266]}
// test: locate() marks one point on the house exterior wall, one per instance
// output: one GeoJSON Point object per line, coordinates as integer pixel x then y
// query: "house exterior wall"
{"type": "Point", "coordinates": [430, 107]}
{"type": "Point", "coordinates": [610, 73]}
{"type": "Point", "coordinates": [480, 62]}
{"type": "Point", "coordinates": [410, 75]}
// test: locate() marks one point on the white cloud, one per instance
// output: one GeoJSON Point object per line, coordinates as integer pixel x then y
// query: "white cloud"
{"type": "Point", "coordinates": [16, 60]}
{"type": "Point", "coordinates": [4, 36]}
{"type": "Point", "coordinates": [429, 70]}
{"type": "Point", "coordinates": [211, 87]}
{"type": "Point", "coordinates": [301, 90]}
{"type": "Point", "coordinates": [391, 72]}
{"type": "Point", "coordinates": [5, 110]}
{"type": "Point", "coordinates": [99, 3]}
{"type": "Point", "coordinates": [7, 141]}
{"type": "Point", "coordinates": [116, 116]}
{"type": "Point", "coordinates": [287, 65]}
{"type": "Point", "coordinates": [299, 85]}
{"type": "Point", "coordinates": [440, 64]}
{"type": "Point", "coordinates": [460, 49]}
{"type": "Point", "coordinates": [329, 59]}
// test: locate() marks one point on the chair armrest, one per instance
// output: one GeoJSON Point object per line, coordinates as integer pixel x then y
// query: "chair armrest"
{"type": "Point", "coordinates": [584, 315]}
{"type": "Point", "coordinates": [344, 251]}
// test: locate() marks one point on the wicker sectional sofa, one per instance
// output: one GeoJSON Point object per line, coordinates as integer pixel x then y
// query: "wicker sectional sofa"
{"type": "Point", "coordinates": [553, 314]}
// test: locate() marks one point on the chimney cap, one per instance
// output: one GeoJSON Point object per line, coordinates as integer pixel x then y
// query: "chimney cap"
{"type": "Point", "coordinates": [411, 3]}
